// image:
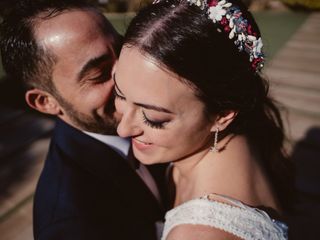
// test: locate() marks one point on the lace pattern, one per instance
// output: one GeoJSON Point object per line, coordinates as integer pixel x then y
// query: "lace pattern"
{"type": "Point", "coordinates": [239, 219]}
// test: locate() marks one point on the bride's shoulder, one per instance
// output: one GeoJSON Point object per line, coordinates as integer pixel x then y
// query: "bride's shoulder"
{"type": "Point", "coordinates": [199, 218]}
{"type": "Point", "coordinates": [191, 232]}
{"type": "Point", "coordinates": [216, 216]}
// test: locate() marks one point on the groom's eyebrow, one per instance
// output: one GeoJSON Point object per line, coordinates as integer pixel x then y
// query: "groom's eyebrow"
{"type": "Point", "coordinates": [146, 106]}
{"type": "Point", "coordinates": [93, 63]}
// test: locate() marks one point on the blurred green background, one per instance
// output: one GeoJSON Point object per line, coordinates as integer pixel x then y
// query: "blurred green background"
{"type": "Point", "coordinates": [277, 28]}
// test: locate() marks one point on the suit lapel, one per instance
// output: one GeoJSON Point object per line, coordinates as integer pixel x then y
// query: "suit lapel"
{"type": "Point", "coordinates": [104, 163]}
{"type": "Point", "coordinates": [159, 173]}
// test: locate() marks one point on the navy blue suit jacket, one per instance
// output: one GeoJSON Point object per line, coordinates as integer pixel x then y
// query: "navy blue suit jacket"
{"type": "Point", "coordinates": [88, 191]}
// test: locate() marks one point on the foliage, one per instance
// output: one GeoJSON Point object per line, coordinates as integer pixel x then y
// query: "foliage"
{"type": "Point", "coordinates": [135, 5]}
{"type": "Point", "coordinates": [303, 4]}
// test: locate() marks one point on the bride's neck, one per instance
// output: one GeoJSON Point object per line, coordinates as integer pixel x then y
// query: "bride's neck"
{"type": "Point", "coordinates": [229, 172]}
{"type": "Point", "coordinates": [186, 168]}
{"type": "Point", "coordinates": [189, 171]}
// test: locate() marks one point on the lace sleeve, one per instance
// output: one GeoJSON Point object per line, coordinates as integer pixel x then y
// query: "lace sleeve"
{"type": "Point", "coordinates": [238, 219]}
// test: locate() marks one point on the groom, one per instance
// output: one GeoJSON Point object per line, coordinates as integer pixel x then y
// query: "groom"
{"type": "Point", "coordinates": [64, 51]}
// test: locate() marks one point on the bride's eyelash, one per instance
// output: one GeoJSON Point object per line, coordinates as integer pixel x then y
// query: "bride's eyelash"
{"type": "Point", "coordinates": [153, 124]}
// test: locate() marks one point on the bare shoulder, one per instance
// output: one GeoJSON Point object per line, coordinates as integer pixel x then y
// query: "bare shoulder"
{"type": "Point", "coordinates": [195, 232]}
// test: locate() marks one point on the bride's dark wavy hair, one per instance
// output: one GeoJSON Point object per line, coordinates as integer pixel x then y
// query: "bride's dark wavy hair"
{"type": "Point", "coordinates": [182, 39]}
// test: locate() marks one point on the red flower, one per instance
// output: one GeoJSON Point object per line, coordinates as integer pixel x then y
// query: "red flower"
{"type": "Point", "coordinates": [224, 21]}
{"type": "Point", "coordinates": [249, 29]}
{"type": "Point", "coordinates": [213, 3]}
{"type": "Point", "coordinates": [256, 62]}
{"type": "Point", "coordinates": [227, 29]}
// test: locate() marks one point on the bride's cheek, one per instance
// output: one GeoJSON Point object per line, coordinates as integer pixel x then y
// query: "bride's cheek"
{"type": "Point", "coordinates": [119, 111]}
{"type": "Point", "coordinates": [119, 104]}
{"type": "Point", "coordinates": [117, 116]}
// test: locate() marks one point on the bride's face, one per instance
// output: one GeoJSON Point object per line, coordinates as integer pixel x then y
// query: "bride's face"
{"type": "Point", "coordinates": [160, 113]}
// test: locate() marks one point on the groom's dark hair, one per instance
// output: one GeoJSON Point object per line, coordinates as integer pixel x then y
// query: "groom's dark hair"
{"type": "Point", "coordinates": [23, 58]}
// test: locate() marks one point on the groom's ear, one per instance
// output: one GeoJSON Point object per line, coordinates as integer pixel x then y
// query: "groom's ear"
{"type": "Point", "coordinates": [223, 120]}
{"type": "Point", "coordinates": [42, 101]}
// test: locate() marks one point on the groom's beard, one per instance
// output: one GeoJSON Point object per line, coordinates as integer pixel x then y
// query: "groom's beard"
{"type": "Point", "coordinates": [91, 123]}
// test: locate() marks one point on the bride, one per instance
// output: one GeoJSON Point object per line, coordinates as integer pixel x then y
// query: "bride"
{"type": "Point", "coordinates": [189, 91]}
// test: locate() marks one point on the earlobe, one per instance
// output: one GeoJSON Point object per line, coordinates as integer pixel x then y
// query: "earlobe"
{"type": "Point", "coordinates": [42, 101]}
{"type": "Point", "coordinates": [224, 120]}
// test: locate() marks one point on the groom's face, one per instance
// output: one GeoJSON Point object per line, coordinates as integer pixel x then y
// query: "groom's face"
{"type": "Point", "coordinates": [82, 72]}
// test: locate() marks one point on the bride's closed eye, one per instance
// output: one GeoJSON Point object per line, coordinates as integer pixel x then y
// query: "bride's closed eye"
{"type": "Point", "coordinates": [153, 123]}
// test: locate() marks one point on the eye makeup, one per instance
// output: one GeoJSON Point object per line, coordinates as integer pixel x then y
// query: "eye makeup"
{"type": "Point", "coordinates": [154, 124]}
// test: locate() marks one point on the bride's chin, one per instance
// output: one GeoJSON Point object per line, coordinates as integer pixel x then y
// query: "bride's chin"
{"type": "Point", "coordinates": [145, 160]}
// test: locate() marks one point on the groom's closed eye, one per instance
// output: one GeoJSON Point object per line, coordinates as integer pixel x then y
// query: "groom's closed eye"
{"type": "Point", "coordinates": [101, 74]}
{"type": "Point", "coordinates": [97, 69]}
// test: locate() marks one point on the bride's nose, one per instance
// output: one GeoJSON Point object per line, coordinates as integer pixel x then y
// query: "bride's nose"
{"type": "Point", "coordinates": [129, 125]}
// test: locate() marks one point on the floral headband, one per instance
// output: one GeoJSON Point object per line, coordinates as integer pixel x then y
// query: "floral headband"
{"type": "Point", "coordinates": [231, 21]}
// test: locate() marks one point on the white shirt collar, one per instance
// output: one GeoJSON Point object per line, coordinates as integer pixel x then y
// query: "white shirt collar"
{"type": "Point", "coordinates": [120, 145]}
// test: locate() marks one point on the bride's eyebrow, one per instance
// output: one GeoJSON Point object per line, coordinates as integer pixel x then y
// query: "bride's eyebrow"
{"type": "Point", "coordinates": [153, 107]}
{"type": "Point", "coordinates": [146, 106]}
{"type": "Point", "coordinates": [115, 84]}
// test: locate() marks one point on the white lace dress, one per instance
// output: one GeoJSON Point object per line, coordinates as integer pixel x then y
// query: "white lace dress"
{"type": "Point", "coordinates": [236, 218]}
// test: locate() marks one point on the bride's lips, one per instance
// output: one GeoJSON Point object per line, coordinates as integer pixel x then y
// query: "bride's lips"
{"type": "Point", "coordinates": [140, 145]}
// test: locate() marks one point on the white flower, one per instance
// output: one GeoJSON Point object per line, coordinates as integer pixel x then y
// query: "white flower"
{"type": "Point", "coordinates": [217, 12]}
{"type": "Point", "coordinates": [199, 3]}
{"type": "Point", "coordinates": [251, 38]}
{"type": "Point", "coordinates": [232, 33]}
{"type": "Point", "coordinates": [231, 22]}
{"type": "Point", "coordinates": [242, 37]}
{"type": "Point", "coordinates": [257, 47]}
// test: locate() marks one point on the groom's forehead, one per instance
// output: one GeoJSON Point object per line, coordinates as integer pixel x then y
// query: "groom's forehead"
{"type": "Point", "coordinates": [74, 43]}
{"type": "Point", "coordinates": [75, 24]}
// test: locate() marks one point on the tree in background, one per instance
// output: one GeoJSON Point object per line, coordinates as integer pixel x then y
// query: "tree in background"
{"type": "Point", "coordinates": [135, 5]}
{"type": "Point", "coordinates": [303, 4]}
